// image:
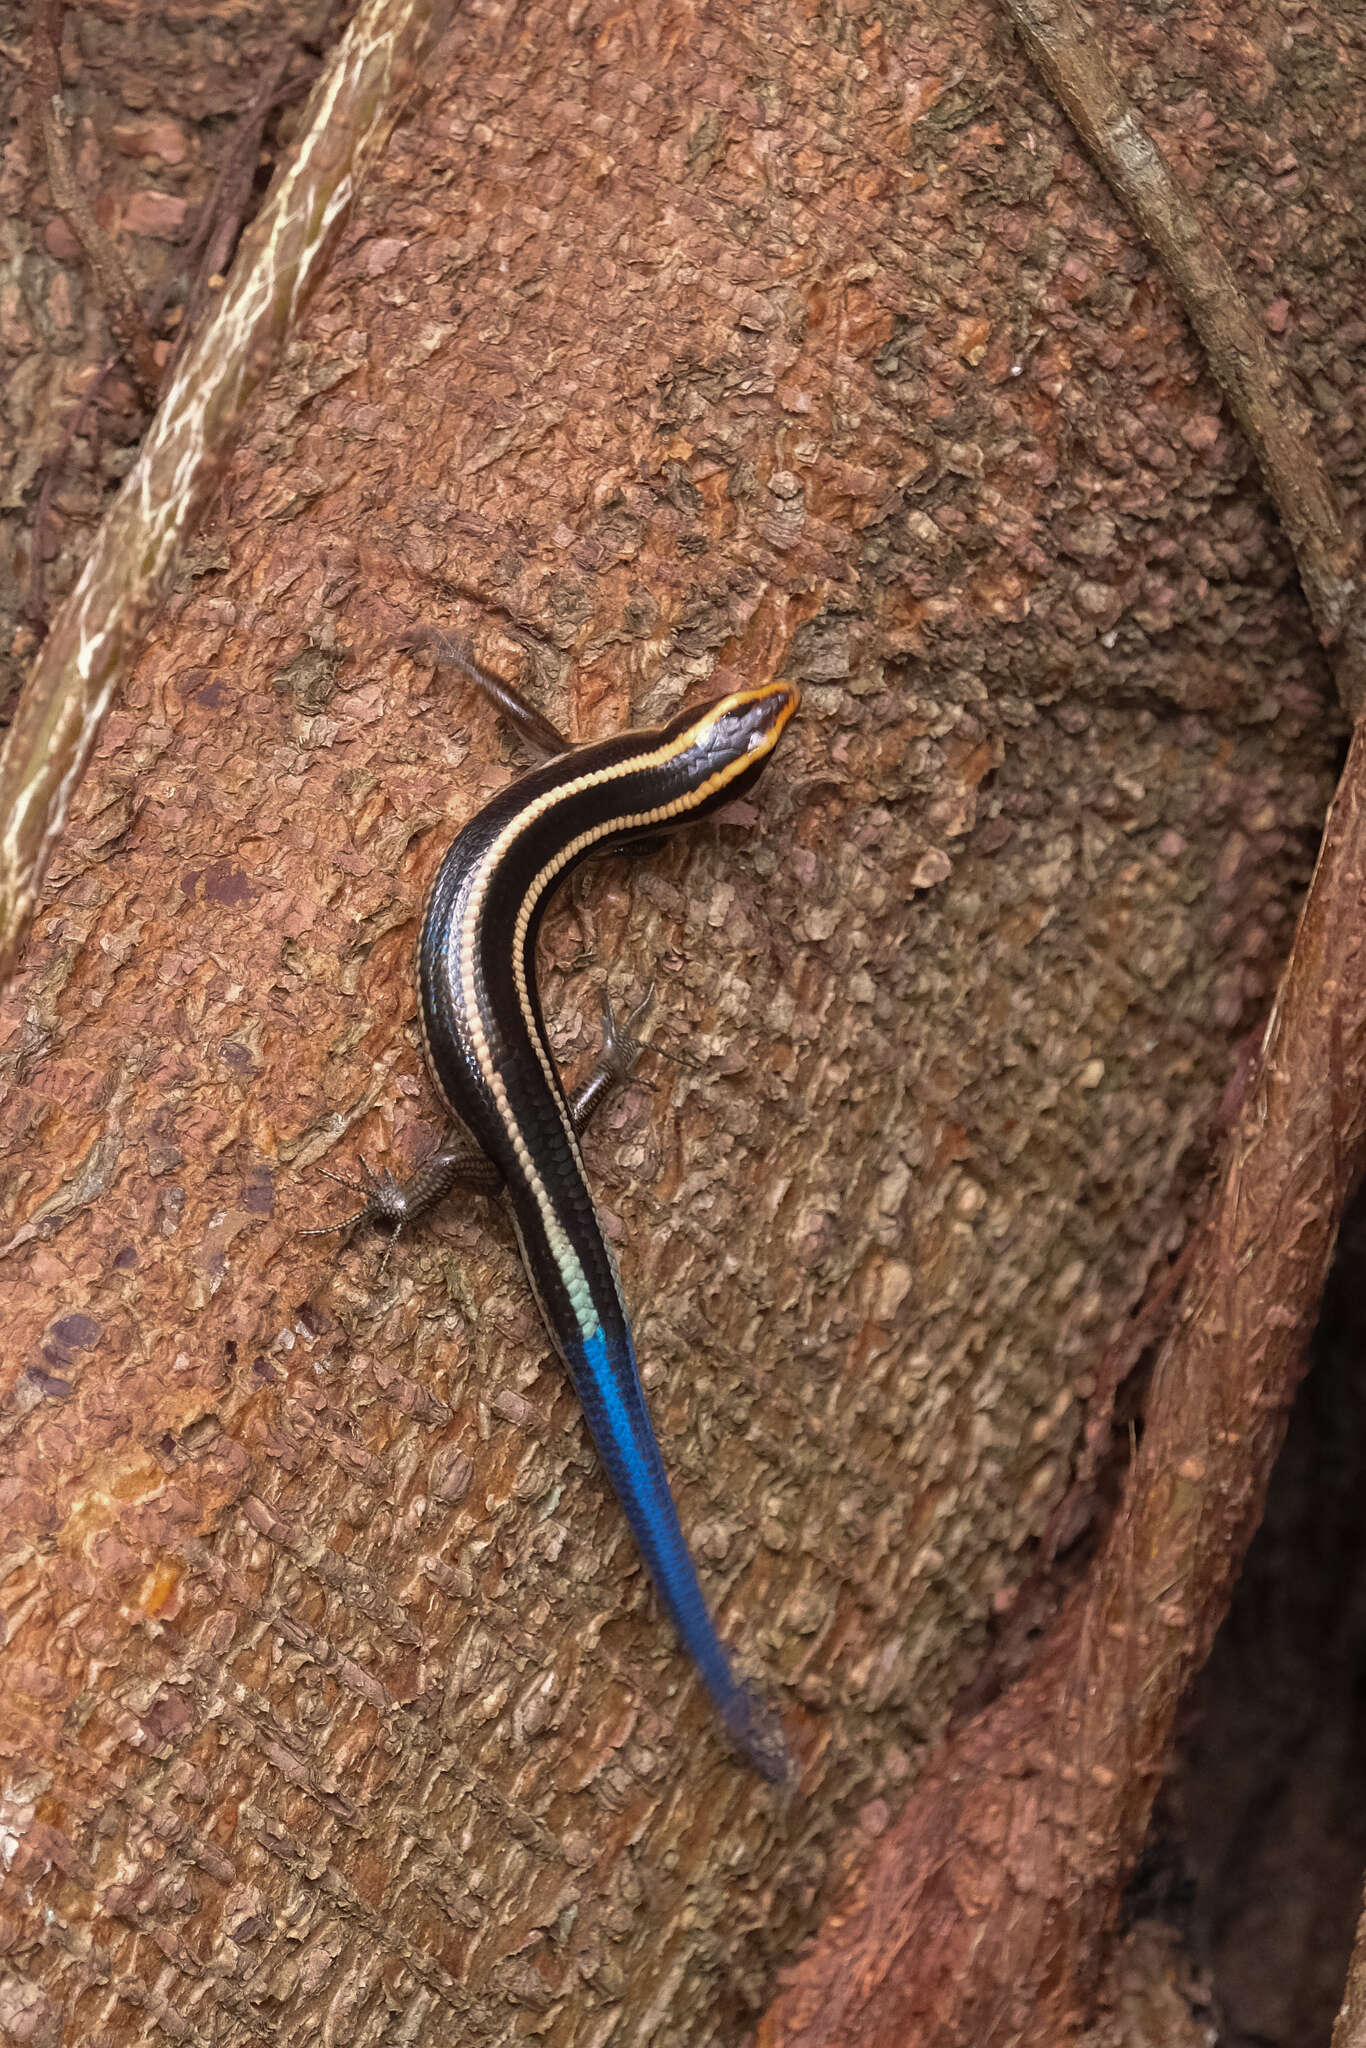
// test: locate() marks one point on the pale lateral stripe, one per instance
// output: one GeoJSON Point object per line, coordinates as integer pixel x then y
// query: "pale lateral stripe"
{"type": "Point", "coordinates": [461, 952]}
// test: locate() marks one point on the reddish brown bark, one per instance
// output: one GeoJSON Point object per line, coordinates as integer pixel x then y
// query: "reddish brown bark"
{"type": "Point", "coordinates": [153, 116]}
{"type": "Point", "coordinates": [980, 1917]}
{"type": "Point", "coordinates": [670, 344]}
{"type": "Point", "coordinates": [1011, 1895]}
{"type": "Point", "coordinates": [84, 658]}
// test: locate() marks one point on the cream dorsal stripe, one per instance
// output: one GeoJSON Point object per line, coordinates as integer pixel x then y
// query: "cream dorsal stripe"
{"type": "Point", "coordinates": [464, 941]}
{"type": "Point", "coordinates": [489, 1056]}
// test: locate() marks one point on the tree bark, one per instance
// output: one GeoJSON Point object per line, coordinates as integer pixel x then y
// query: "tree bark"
{"type": "Point", "coordinates": [1350, 2030]}
{"type": "Point", "coordinates": [669, 346]}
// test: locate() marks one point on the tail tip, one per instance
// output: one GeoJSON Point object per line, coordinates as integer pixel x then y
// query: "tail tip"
{"type": "Point", "coordinates": [754, 1728]}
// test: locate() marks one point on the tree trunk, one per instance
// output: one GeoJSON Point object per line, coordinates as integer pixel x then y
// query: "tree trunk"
{"type": "Point", "coordinates": [668, 347]}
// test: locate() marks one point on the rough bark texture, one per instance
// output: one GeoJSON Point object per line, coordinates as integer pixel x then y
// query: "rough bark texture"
{"type": "Point", "coordinates": [1261, 1827]}
{"type": "Point", "coordinates": [669, 343]}
{"type": "Point", "coordinates": [85, 657]}
{"type": "Point", "coordinates": [154, 108]}
{"type": "Point", "coordinates": [1265, 402]}
{"type": "Point", "coordinates": [1152, 1998]}
{"type": "Point", "coordinates": [1006, 1863]}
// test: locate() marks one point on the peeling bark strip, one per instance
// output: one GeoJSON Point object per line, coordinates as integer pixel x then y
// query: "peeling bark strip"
{"type": "Point", "coordinates": [1261, 394]}
{"type": "Point", "coordinates": [84, 656]}
{"type": "Point", "coordinates": [979, 1917]}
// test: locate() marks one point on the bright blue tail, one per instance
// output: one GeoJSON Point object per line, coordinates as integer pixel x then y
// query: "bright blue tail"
{"type": "Point", "coordinates": [608, 1385]}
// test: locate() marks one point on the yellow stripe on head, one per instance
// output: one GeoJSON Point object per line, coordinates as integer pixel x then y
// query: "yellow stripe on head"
{"type": "Point", "coordinates": [766, 709]}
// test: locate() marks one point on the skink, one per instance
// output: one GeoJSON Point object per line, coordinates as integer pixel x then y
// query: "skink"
{"type": "Point", "coordinates": [490, 1059]}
